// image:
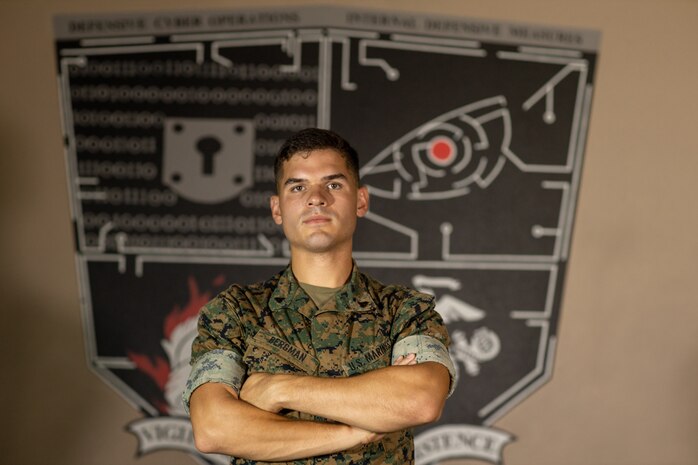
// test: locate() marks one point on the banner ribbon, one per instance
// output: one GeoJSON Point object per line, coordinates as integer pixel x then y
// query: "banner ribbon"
{"type": "Point", "coordinates": [167, 433]}
{"type": "Point", "coordinates": [460, 441]}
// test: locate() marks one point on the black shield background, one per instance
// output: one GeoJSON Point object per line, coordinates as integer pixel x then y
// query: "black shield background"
{"type": "Point", "coordinates": [139, 243]}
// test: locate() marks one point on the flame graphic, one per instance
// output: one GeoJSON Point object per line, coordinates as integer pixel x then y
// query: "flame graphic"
{"type": "Point", "coordinates": [178, 316]}
{"type": "Point", "coordinates": [179, 330]}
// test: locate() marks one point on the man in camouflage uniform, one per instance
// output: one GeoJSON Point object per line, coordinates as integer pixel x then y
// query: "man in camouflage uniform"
{"type": "Point", "coordinates": [321, 363]}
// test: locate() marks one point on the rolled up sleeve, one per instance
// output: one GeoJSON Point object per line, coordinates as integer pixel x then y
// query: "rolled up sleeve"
{"type": "Point", "coordinates": [215, 366]}
{"type": "Point", "coordinates": [427, 349]}
{"type": "Point", "coordinates": [419, 329]}
{"type": "Point", "coordinates": [217, 349]}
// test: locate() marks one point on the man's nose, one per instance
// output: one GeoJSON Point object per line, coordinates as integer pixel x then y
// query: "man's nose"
{"type": "Point", "coordinates": [317, 197]}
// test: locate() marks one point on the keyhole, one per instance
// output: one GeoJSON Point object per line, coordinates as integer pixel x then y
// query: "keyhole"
{"type": "Point", "coordinates": [208, 147]}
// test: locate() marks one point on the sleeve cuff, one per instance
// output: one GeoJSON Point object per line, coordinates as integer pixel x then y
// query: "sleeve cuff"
{"type": "Point", "coordinates": [216, 366]}
{"type": "Point", "coordinates": [427, 349]}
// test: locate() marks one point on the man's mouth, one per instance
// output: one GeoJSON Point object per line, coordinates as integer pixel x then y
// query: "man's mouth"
{"type": "Point", "coordinates": [316, 219]}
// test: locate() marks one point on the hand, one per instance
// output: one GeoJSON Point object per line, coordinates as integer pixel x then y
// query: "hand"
{"type": "Point", "coordinates": [365, 437]}
{"type": "Point", "coordinates": [409, 359]}
{"type": "Point", "coordinates": [262, 391]}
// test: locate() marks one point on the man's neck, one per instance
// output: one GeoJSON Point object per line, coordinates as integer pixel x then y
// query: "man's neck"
{"type": "Point", "coordinates": [325, 270]}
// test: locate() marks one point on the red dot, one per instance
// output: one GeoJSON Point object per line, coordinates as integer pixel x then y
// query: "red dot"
{"type": "Point", "coordinates": [441, 150]}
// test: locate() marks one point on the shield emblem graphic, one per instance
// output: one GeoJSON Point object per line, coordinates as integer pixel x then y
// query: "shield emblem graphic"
{"type": "Point", "coordinates": [471, 145]}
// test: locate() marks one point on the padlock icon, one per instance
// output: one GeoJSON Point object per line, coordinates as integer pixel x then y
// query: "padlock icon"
{"type": "Point", "coordinates": [208, 160]}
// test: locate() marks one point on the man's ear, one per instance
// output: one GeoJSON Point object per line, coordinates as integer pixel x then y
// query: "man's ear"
{"type": "Point", "coordinates": [275, 209]}
{"type": "Point", "coordinates": [362, 202]}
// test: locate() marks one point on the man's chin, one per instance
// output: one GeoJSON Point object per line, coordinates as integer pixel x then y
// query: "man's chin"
{"type": "Point", "coordinates": [319, 246]}
{"type": "Point", "coordinates": [320, 242]}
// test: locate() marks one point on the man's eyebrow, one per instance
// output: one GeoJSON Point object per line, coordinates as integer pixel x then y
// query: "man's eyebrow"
{"type": "Point", "coordinates": [293, 181]}
{"type": "Point", "coordinates": [329, 177]}
{"type": "Point", "coordinates": [332, 177]}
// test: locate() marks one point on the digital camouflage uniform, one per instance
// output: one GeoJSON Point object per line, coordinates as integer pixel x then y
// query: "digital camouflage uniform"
{"type": "Point", "coordinates": [275, 327]}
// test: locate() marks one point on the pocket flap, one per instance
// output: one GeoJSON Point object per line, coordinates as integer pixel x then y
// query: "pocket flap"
{"type": "Point", "coordinates": [269, 353]}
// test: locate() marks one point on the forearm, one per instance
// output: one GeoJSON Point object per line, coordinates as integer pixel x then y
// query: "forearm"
{"type": "Point", "coordinates": [225, 425]}
{"type": "Point", "coordinates": [388, 399]}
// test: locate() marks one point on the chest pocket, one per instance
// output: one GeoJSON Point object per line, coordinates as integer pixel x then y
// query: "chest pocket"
{"type": "Point", "coordinates": [369, 343]}
{"type": "Point", "coordinates": [370, 357]}
{"type": "Point", "coordinates": [269, 353]}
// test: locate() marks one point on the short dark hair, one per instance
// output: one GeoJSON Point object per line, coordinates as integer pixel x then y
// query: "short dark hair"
{"type": "Point", "coordinates": [309, 139]}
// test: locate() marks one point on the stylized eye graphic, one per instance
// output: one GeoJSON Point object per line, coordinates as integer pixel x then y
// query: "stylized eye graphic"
{"type": "Point", "coordinates": [445, 156]}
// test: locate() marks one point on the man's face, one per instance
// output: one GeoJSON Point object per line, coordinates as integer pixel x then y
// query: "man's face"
{"type": "Point", "coordinates": [318, 202]}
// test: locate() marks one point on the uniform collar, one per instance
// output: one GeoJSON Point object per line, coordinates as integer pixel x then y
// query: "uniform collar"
{"type": "Point", "coordinates": [352, 297]}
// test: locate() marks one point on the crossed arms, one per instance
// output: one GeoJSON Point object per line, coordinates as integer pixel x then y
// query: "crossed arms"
{"type": "Point", "coordinates": [389, 399]}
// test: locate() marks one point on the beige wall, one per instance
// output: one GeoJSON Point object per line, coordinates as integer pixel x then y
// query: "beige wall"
{"type": "Point", "coordinates": [625, 384]}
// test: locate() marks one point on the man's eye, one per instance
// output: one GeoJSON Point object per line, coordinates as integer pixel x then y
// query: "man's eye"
{"type": "Point", "coordinates": [334, 185]}
{"type": "Point", "coordinates": [296, 189]}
